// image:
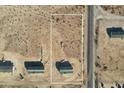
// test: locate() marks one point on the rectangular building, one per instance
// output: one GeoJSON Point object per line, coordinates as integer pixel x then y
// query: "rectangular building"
{"type": "Point", "coordinates": [64, 67]}
{"type": "Point", "coordinates": [34, 66]}
{"type": "Point", "coordinates": [6, 66]}
{"type": "Point", "coordinates": [115, 32]}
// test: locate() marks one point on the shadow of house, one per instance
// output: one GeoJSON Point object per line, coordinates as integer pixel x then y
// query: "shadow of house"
{"type": "Point", "coordinates": [115, 32]}
{"type": "Point", "coordinates": [34, 66]}
{"type": "Point", "coordinates": [6, 66]}
{"type": "Point", "coordinates": [64, 67]}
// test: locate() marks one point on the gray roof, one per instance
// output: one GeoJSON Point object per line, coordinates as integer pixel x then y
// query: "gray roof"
{"type": "Point", "coordinates": [116, 32]}
{"type": "Point", "coordinates": [6, 66]}
{"type": "Point", "coordinates": [34, 66]}
{"type": "Point", "coordinates": [64, 66]}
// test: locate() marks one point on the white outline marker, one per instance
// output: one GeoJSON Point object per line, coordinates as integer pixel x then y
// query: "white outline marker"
{"type": "Point", "coordinates": [51, 40]}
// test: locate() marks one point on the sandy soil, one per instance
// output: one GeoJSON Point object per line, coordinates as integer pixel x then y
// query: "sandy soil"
{"type": "Point", "coordinates": [70, 29]}
{"type": "Point", "coordinates": [114, 9]}
{"type": "Point", "coordinates": [25, 31]}
{"type": "Point", "coordinates": [110, 54]}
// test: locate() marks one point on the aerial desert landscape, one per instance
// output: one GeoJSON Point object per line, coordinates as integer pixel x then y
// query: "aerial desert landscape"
{"type": "Point", "coordinates": [69, 46]}
{"type": "Point", "coordinates": [109, 47]}
{"type": "Point", "coordinates": [34, 33]}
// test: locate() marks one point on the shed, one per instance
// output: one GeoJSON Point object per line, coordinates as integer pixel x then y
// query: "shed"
{"type": "Point", "coordinates": [115, 32]}
{"type": "Point", "coordinates": [64, 67]}
{"type": "Point", "coordinates": [34, 66]}
{"type": "Point", "coordinates": [6, 66]}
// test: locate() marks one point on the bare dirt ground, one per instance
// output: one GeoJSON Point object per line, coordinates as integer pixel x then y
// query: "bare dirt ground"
{"type": "Point", "coordinates": [114, 9]}
{"type": "Point", "coordinates": [110, 52]}
{"type": "Point", "coordinates": [25, 31]}
{"type": "Point", "coordinates": [70, 29]}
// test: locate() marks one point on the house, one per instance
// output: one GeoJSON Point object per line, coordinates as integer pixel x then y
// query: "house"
{"type": "Point", "coordinates": [64, 67]}
{"type": "Point", "coordinates": [34, 66]}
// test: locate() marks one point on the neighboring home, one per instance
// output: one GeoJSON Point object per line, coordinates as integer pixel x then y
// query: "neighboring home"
{"type": "Point", "coordinates": [64, 67]}
{"type": "Point", "coordinates": [6, 66]}
{"type": "Point", "coordinates": [115, 32]}
{"type": "Point", "coordinates": [34, 66]}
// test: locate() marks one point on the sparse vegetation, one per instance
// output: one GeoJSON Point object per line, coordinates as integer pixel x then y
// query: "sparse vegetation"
{"type": "Point", "coordinates": [25, 32]}
{"type": "Point", "coordinates": [114, 9]}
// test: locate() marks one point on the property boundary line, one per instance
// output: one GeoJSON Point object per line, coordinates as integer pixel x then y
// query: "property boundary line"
{"type": "Point", "coordinates": [82, 39]}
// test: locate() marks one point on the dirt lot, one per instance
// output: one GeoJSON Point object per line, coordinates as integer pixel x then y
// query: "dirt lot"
{"type": "Point", "coordinates": [25, 31]}
{"type": "Point", "coordinates": [110, 55]}
{"type": "Point", "coordinates": [114, 9]}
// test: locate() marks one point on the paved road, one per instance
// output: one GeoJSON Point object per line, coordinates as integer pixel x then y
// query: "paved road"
{"type": "Point", "coordinates": [90, 46]}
